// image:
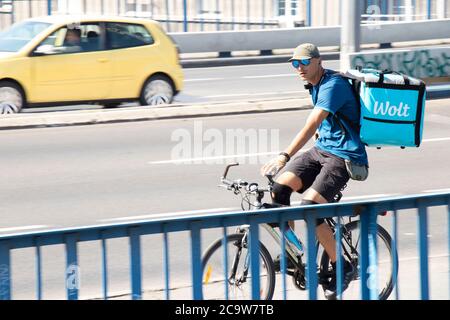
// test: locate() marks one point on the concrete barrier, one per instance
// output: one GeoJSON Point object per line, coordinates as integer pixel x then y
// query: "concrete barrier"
{"type": "Point", "coordinates": [226, 41]}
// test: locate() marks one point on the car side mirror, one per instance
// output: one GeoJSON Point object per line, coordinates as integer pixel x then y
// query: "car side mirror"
{"type": "Point", "coordinates": [44, 50]}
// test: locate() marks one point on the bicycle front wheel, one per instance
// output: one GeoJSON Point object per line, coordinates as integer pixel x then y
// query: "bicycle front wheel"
{"type": "Point", "coordinates": [237, 283]}
{"type": "Point", "coordinates": [386, 261]}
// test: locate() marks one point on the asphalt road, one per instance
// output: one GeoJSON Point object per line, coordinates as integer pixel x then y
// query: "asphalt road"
{"type": "Point", "coordinates": [86, 175]}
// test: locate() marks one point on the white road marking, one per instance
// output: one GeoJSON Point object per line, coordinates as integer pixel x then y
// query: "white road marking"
{"type": "Point", "coordinates": [271, 76]}
{"type": "Point", "coordinates": [257, 94]}
{"type": "Point", "coordinates": [24, 228]}
{"type": "Point", "coordinates": [381, 195]}
{"type": "Point", "coordinates": [204, 79]}
{"type": "Point", "coordinates": [189, 160]}
{"type": "Point", "coordinates": [436, 139]}
{"type": "Point", "coordinates": [437, 190]}
{"type": "Point", "coordinates": [170, 214]}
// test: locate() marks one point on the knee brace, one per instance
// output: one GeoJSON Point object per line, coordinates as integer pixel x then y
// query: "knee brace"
{"type": "Point", "coordinates": [281, 194]}
{"type": "Point", "coordinates": [310, 202]}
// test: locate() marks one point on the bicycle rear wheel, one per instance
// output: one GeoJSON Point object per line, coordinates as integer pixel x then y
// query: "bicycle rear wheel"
{"type": "Point", "coordinates": [238, 280]}
{"type": "Point", "coordinates": [385, 264]}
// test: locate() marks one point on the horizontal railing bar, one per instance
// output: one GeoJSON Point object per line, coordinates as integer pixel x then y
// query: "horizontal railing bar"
{"type": "Point", "coordinates": [216, 220]}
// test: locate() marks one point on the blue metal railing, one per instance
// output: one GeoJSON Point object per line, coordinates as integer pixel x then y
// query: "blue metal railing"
{"type": "Point", "coordinates": [195, 224]}
{"type": "Point", "coordinates": [206, 15]}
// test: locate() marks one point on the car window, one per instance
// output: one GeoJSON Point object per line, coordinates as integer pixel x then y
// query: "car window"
{"type": "Point", "coordinates": [74, 39]}
{"type": "Point", "coordinates": [124, 35]}
{"type": "Point", "coordinates": [16, 37]}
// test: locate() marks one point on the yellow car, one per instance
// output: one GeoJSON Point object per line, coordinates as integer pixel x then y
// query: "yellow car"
{"type": "Point", "coordinates": [59, 60]}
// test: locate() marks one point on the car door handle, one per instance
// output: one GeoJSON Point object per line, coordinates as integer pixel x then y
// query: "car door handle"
{"type": "Point", "coordinates": [103, 60]}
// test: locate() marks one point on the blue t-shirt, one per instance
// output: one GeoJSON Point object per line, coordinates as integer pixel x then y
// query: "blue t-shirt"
{"type": "Point", "coordinates": [334, 94]}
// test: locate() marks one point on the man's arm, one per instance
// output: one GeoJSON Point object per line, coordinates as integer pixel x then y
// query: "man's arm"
{"type": "Point", "coordinates": [312, 124]}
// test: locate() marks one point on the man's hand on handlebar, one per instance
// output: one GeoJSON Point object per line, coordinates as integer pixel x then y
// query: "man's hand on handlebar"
{"type": "Point", "coordinates": [274, 166]}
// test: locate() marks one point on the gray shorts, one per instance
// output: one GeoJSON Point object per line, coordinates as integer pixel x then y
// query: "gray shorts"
{"type": "Point", "coordinates": [323, 171]}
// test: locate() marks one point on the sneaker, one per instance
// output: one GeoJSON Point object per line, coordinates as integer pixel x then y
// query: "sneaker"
{"type": "Point", "coordinates": [277, 263]}
{"type": "Point", "coordinates": [349, 274]}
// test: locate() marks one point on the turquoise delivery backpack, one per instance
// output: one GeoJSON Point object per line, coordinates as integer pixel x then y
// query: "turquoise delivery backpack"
{"type": "Point", "coordinates": [392, 107]}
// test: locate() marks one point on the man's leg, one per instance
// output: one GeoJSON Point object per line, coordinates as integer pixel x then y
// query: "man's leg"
{"type": "Point", "coordinates": [326, 239]}
{"type": "Point", "coordinates": [283, 188]}
{"type": "Point", "coordinates": [323, 231]}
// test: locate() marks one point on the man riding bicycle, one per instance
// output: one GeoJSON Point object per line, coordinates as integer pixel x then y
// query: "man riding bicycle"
{"type": "Point", "coordinates": [321, 171]}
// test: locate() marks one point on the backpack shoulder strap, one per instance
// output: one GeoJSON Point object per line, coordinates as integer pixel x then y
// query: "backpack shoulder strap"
{"type": "Point", "coordinates": [355, 86]}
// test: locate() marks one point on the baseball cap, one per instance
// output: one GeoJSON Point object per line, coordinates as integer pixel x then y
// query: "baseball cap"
{"type": "Point", "coordinates": [305, 51]}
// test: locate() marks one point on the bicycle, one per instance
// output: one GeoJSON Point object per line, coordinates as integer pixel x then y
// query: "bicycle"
{"type": "Point", "coordinates": [238, 278]}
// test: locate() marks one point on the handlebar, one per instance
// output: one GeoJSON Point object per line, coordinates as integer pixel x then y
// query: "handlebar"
{"type": "Point", "coordinates": [237, 185]}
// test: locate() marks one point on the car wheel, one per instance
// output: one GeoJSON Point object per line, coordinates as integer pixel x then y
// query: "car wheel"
{"type": "Point", "coordinates": [11, 98]}
{"type": "Point", "coordinates": [157, 90]}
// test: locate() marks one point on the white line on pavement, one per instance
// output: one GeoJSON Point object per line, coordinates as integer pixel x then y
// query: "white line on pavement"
{"type": "Point", "coordinates": [190, 160]}
{"type": "Point", "coordinates": [271, 76]}
{"type": "Point", "coordinates": [199, 160]}
{"type": "Point", "coordinates": [436, 139]}
{"type": "Point", "coordinates": [204, 79]}
{"type": "Point", "coordinates": [381, 195]}
{"type": "Point", "coordinates": [257, 94]}
{"type": "Point", "coordinates": [171, 214]}
{"type": "Point", "coordinates": [437, 190]}
{"type": "Point", "coordinates": [24, 228]}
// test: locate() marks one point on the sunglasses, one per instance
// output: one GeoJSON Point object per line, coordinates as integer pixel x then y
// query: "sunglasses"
{"type": "Point", "coordinates": [296, 63]}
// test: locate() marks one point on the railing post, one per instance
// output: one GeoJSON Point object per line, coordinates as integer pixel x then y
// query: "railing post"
{"type": "Point", "coordinates": [166, 262]}
{"type": "Point", "coordinates": [38, 269]}
{"type": "Point", "coordinates": [373, 256]}
{"type": "Point", "coordinates": [283, 256]}
{"type": "Point", "coordinates": [104, 268]}
{"type": "Point", "coordinates": [185, 21]}
{"type": "Point", "coordinates": [72, 268]}
{"type": "Point", "coordinates": [311, 264]}
{"type": "Point", "coordinates": [136, 276]}
{"type": "Point", "coordinates": [394, 251]}
{"type": "Point", "coordinates": [339, 258]}
{"type": "Point", "coordinates": [196, 261]}
{"type": "Point", "coordinates": [308, 13]}
{"type": "Point", "coordinates": [448, 236]}
{"type": "Point", "coordinates": [225, 259]}
{"type": "Point", "coordinates": [364, 256]}
{"type": "Point", "coordinates": [254, 259]}
{"type": "Point", "coordinates": [428, 9]}
{"type": "Point", "coordinates": [49, 7]}
{"type": "Point", "coordinates": [5, 272]}
{"type": "Point", "coordinates": [423, 251]}
{"type": "Point", "coordinates": [167, 16]}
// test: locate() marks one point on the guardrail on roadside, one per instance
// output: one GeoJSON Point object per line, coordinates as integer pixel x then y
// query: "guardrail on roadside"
{"type": "Point", "coordinates": [195, 224]}
{"type": "Point", "coordinates": [228, 41]}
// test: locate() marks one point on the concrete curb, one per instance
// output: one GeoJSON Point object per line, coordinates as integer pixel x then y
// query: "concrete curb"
{"type": "Point", "coordinates": [88, 117]}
